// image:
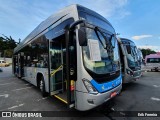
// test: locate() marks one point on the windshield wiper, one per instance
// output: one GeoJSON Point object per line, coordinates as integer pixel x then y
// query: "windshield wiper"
{"type": "Point", "coordinates": [99, 37]}
{"type": "Point", "coordinates": [108, 47]}
{"type": "Point", "coordinates": [110, 40]}
{"type": "Point", "coordinates": [108, 44]}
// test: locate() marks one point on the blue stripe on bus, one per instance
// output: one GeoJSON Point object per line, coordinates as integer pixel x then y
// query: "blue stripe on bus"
{"type": "Point", "coordinates": [108, 85]}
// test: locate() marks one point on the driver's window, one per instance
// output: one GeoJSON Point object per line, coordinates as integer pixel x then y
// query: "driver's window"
{"type": "Point", "coordinates": [128, 49]}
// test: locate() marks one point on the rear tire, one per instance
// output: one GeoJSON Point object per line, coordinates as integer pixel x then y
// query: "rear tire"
{"type": "Point", "coordinates": [42, 87]}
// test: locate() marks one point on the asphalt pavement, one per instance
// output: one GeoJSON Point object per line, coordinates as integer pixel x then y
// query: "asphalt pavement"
{"type": "Point", "coordinates": [141, 95]}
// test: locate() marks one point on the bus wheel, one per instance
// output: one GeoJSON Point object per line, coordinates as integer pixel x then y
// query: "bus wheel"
{"type": "Point", "coordinates": [42, 87]}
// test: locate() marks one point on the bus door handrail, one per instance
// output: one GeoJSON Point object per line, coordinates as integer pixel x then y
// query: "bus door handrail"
{"type": "Point", "coordinates": [56, 70]}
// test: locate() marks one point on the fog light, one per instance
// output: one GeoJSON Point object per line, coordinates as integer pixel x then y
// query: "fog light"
{"type": "Point", "coordinates": [90, 101]}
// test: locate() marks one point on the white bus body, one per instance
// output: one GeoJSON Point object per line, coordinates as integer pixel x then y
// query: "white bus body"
{"type": "Point", "coordinates": [58, 57]}
{"type": "Point", "coordinates": [152, 62]}
{"type": "Point", "coordinates": [131, 67]}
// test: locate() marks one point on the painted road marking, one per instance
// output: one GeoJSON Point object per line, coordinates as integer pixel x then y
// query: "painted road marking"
{"type": "Point", "coordinates": [22, 88]}
{"type": "Point", "coordinates": [42, 98]}
{"type": "Point", "coordinates": [154, 98]}
{"type": "Point", "coordinates": [16, 106]}
{"type": "Point", "coordinates": [13, 107]}
{"type": "Point", "coordinates": [21, 104]}
{"type": "Point", "coordinates": [156, 86]}
{"type": "Point", "coordinates": [4, 95]}
{"type": "Point", "coordinates": [122, 113]}
{"type": "Point", "coordinates": [27, 84]}
{"type": "Point", "coordinates": [6, 83]}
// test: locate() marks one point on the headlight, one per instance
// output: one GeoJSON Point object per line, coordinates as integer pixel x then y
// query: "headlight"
{"type": "Point", "coordinates": [89, 87]}
{"type": "Point", "coordinates": [129, 72]}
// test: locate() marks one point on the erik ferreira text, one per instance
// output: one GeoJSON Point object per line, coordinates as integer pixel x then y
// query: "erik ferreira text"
{"type": "Point", "coordinates": [147, 114]}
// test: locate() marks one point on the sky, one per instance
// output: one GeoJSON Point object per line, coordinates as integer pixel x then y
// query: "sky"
{"type": "Point", "coordinates": [138, 20]}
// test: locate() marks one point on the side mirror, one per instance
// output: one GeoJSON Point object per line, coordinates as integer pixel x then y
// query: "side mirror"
{"type": "Point", "coordinates": [82, 37]}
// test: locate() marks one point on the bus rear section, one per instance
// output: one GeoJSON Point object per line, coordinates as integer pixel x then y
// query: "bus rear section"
{"type": "Point", "coordinates": [152, 62]}
{"type": "Point", "coordinates": [131, 67]}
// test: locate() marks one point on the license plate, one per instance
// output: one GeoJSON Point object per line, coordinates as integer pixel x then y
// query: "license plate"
{"type": "Point", "coordinates": [113, 94]}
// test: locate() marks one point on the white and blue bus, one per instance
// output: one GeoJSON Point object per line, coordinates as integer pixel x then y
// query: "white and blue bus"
{"type": "Point", "coordinates": [130, 64]}
{"type": "Point", "coordinates": [72, 55]}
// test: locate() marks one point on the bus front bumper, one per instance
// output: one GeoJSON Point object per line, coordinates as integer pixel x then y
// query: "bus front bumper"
{"type": "Point", "coordinates": [128, 78]}
{"type": "Point", "coordinates": [86, 101]}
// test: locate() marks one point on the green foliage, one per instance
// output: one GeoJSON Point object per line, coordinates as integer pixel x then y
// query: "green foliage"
{"type": "Point", "coordinates": [8, 53]}
{"type": "Point", "coordinates": [147, 52]}
{"type": "Point", "coordinates": [7, 44]}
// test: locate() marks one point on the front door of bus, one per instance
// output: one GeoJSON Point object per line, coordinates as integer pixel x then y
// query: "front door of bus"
{"type": "Point", "coordinates": [20, 64]}
{"type": "Point", "coordinates": [56, 65]}
{"type": "Point", "coordinates": [14, 65]}
{"type": "Point", "coordinates": [60, 86]}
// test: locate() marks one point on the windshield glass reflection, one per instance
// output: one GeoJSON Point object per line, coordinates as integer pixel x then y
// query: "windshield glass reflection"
{"type": "Point", "coordinates": [108, 61]}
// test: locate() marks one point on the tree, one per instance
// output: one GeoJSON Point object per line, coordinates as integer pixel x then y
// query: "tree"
{"type": "Point", "coordinates": [147, 52]}
{"type": "Point", "coordinates": [1, 46]}
{"type": "Point", "coordinates": [7, 44]}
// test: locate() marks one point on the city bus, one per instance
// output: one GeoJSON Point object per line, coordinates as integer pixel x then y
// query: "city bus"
{"type": "Point", "coordinates": [140, 56]}
{"type": "Point", "coordinates": [141, 61]}
{"type": "Point", "coordinates": [152, 62]}
{"type": "Point", "coordinates": [73, 55]}
{"type": "Point", "coordinates": [130, 65]}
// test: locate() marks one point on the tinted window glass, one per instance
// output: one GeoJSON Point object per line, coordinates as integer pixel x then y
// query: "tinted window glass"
{"type": "Point", "coordinates": [96, 21]}
{"type": "Point", "coordinates": [36, 53]}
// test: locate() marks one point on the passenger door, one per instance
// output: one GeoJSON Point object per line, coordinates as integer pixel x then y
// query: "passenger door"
{"type": "Point", "coordinates": [21, 64]}
{"type": "Point", "coordinates": [56, 65]}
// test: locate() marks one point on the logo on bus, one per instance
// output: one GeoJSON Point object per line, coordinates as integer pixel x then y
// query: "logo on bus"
{"type": "Point", "coordinates": [103, 88]}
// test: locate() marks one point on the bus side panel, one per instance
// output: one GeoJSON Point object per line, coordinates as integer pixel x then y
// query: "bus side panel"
{"type": "Point", "coordinates": [27, 73]}
{"type": "Point", "coordinates": [30, 74]}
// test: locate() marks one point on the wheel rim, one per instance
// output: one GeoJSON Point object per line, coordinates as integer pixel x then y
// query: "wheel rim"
{"type": "Point", "coordinates": [41, 85]}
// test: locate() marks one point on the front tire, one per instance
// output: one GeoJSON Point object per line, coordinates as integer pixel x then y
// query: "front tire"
{"type": "Point", "coordinates": [42, 87]}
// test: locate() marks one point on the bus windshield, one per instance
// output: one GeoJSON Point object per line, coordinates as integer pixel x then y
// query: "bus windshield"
{"type": "Point", "coordinates": [132, 55]}
{"type": "Point", "coordinates": [100, 57]}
